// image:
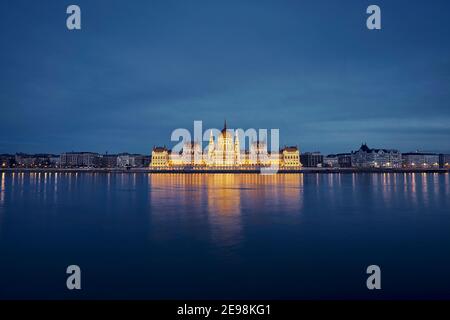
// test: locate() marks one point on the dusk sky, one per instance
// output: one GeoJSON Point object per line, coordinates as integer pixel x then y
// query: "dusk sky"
{"type": "Point", "coordinates": [137, 70]}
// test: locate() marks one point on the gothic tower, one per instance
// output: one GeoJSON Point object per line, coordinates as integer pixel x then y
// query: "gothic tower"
{"type": "Point", "coordinates": [211, 160]}
{"type": "Point", "coordinates": [237, 150]}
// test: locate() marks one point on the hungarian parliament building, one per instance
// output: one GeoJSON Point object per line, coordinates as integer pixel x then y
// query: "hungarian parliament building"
{"type": "Point", "coordinates": [225, 153]}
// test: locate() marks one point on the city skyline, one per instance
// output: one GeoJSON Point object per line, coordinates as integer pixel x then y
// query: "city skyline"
{"type": "Point", "coordinates": [170, 144]}
{"type": "Point", "coordinates": [224, 151]}
{"type": "Point", "coordinates": [134, 73]}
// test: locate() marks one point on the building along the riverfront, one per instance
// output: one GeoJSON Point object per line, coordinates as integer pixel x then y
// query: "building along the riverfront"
{"type": "Point", "coordinates": [311, 159]}
{"type": "Point", "coordinates": [80, 159]}
{"type": "Point", "coordinates": [366, 157]}
{"type": "Point", "coordinates": [95, 160]}
{"type": "Point", "coordinates": [420, 160]}
{"type": "Point", "coordinates": [225, 152]}
{"type": "Point", "coordinates": [444, 161]}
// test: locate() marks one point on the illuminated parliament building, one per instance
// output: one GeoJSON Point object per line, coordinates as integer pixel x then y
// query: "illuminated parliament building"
{"type": "Point", "coordinates": [225, 153]}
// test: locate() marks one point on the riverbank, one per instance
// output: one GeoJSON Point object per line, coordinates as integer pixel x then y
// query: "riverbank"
{"type": "Point", "coordinates": [216, 171]}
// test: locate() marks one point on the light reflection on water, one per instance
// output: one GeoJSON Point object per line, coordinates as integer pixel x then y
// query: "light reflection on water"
{"type": "Point", "coordinates": [286, 229]}
{"type": "Point", "coordinates": [2, 189]}
{"type": "Point", "coordinates": [228, 194]}
{"type": "Point", "coordinates": [224, 196]}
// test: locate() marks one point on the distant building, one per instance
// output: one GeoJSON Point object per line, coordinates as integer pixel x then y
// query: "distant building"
{"type": "Point", "coordinates": [311, 159]}
{"type": "Point", "coordinates": [290, 157]}
{"type": "Point", "coordinates": [141, 160]}
{"type": "Point", "coordinates": [245, 158]}
{"type": "Point", "coordinates": [125, 160]}
{"type": "Point", "coordinates": [340, 160]}
{"type": "Point", "coordinates": [35, 160]}
{"type": "Point", "coordinates": [366, 157]}
{"type": "Point", "coordinates": [54, 160]}
{"type": "Point", "coordinates": [80, 159]}
{"type": "Point", "coordinates": [258, 155]}
{"type": "Point", "coordinates": [420, 160]}
{"type": "Point", "coordinates": [160, 157]}
{"type": "Point", "coordinates": [275, 159]}
{"type": "Point", "coordinates": [109, 160]}
{"type": "Point", "coordinates": [224, 152]}
{"type": "Point", "coordinates": [25, 160]}
{"type": "Point", "coordinates": [7, 160]}
{"type": "Point", "coordinates": [444, 161]}
{"type": "Point", "coordinates": [330, 161]}
{"type": "Point", "coordinates": [192, 154]}
{"type": "Point", "coordinates": [344, 160]}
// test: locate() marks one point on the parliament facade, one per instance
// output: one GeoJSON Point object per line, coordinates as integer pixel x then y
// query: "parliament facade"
{"type": "Point", "coordinates": [225, 152]}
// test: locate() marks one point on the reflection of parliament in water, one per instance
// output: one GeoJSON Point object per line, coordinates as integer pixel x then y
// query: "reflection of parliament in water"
{"type": "Point", "coordinates": [225, 153]}
{"type": "Point", "coordinates": [226, 198]}
{"type": "Point", "coordinates": [227, 193]}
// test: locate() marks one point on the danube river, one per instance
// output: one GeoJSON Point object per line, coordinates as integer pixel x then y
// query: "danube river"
{"type": "Point", "coordinates": [189, 236]}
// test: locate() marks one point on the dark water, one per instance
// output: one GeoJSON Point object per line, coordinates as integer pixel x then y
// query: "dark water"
{"type": "Point", "coordinates": [224, 236]}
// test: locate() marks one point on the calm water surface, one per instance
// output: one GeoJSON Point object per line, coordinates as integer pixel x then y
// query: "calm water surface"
{"type": "Point", "coordinates": [224, 236]}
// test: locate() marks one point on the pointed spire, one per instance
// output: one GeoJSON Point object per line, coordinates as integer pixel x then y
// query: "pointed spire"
{"type": "Point", "coordinates": [225, 125]}
{"type": "Point", "coordinates": [211, 137]}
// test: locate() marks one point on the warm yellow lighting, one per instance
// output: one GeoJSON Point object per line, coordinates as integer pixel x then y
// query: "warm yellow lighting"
{"type": "Point", "coordinates": [224, 152]}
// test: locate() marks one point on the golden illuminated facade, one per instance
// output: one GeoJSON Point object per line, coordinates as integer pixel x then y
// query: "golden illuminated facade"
{"type": "Point", "coordinates": [291, 157]}
{"type": "Point", "coordinates": [160, 158]}
{"type": "Point", "coordinates": [225, 153]}
{"type": "Point", "coordinates": [192, 154]}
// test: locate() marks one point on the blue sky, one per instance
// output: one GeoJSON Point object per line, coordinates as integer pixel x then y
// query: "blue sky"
{"type": "Point", "coordinates": [140, 69]}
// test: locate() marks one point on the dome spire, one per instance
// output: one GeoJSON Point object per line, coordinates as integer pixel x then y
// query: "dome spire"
{"type": "Point", "coordinates": [224, 130]}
